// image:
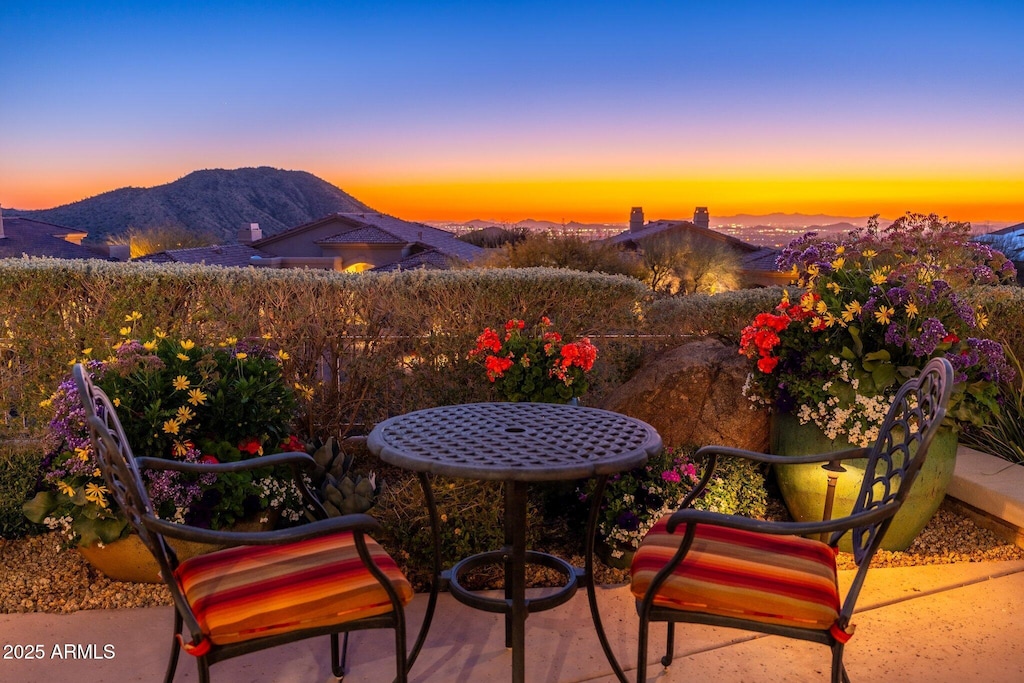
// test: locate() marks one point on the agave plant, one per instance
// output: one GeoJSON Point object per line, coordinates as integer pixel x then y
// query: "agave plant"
{"type": "Point", "coordinates": [339, 492]}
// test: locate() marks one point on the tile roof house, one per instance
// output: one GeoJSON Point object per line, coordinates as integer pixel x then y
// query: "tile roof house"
{"type": "Point", "coordinates": [238, 255]}
{"type": "Point", "coordinates": [757, 264]}
{"type": "Point", "coordinates": [28, 237]}
{"type": "Point", "coordinates": [363, 241]}
{"type": "Point", "coordinates": [351, 242]}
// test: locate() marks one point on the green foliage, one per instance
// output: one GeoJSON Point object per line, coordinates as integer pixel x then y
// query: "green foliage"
{"type": "Point", "coordinates": [494, 237]}
{"type": "Point", "coordinates": [543, 249]}
{"type": "Point", "coordinates": [1003, 436]}
{"type": "Point", "coordinates": [19, 470]}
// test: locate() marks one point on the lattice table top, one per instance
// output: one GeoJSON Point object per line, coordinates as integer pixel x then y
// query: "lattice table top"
{"type": "Point", "coordinates": [515, 441]}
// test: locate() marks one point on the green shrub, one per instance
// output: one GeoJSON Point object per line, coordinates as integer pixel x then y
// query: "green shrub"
{"type": "Point", "coordinates": [19, 470]}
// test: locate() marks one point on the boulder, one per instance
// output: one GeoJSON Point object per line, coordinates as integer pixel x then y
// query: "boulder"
{"type": "Point", "coordinates": [694, 394]}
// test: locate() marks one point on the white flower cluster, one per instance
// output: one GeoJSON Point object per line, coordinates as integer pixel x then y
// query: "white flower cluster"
{"type": "Point", "coordinates": [858, 423]}
{"type": "Point", "coordinates": [281, 495]}
{"type": "Point", "coordinates": [62, 525]}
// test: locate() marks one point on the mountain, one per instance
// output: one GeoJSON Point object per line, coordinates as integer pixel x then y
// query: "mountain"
{"type": "Point", "coordinates": [217, 201]}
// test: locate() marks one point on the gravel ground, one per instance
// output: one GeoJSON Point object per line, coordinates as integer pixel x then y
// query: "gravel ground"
{"type": "Point", "coordinates": [39, 577]}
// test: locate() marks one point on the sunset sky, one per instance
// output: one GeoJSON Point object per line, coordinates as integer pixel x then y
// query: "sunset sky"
{"type": "Point", "coordinates": [553, 110]}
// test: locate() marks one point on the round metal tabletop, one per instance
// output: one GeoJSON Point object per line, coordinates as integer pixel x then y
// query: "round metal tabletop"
{"type": "Point", "coordinates": [514, 441]}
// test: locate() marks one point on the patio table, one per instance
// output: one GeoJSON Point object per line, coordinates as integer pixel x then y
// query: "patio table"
{"type": "Point", "coordinates": [515, 443]}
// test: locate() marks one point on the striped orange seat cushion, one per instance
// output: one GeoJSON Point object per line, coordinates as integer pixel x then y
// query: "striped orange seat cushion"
{"type": "Point", "coordinates": [253, 591]}
{"type": "Point", "coordinates": [761, 577]}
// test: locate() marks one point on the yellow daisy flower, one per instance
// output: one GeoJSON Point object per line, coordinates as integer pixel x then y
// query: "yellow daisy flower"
{"type": "Point", "coordinates": [185, 414]}
{"type": "Point", "coordinates": [878, 276]}
{"type": "Point", "coordinates": [179, 449]}
{"type": "Point", "coordinates": [304, 391]}
{"type": "Point", "coordinates": [841, 249]}
{"type": "Point", "coordinates": [834, 287]}
{"type": "Point", "coordinates": [196, 397]}
{"type": "Point", "coordinates": [188, 344]}
{"type": "Point", "coordinates": [172, 426]}
{"type": "Point", "coordinates": [160, 334]}
{"type": "Point", "coordinates": [851, 311]}
{"type": "Point", "coordinates": [869, 253]}
{"type": "Point", "coordinates": [267, 335]}
{"type": "Point", "coordinates": [839, 263]}
{"type": "Point", "coordinates": [982, 320]}
{"type": "Point", "coordinates": [86, 352]}
{"type": "Point", "coordinates": [117, 402]}
{"type": "Point", "coordinates": [884, 314]}
{"type": "Point", "coordinates": [282, 354]}
{"type": "Point", "coordinates": [133, 316]}
{"type": "Point", "coordinates": [125, 331]}
{"type": "Point", "coordinates": [241, 356]}
{"type": "Point", "coordinates": [82, 454]}
{"type": "Point", "coordinates": [821, 307]}
{"type": "Point", "coordinates": [182, 356]}
{"type": "Point", "coordinates": [181, 383]}
{"type": "Point", "coordinates": [911, 309]}
{"type": "Point", "coordinates": [150, 345]}
{"type": "Point", "coordinates": [231, 341]}
{"type": "Point", "coordinates": [66, 488]}
{"type": "Point", "coordinates": [95, 493]}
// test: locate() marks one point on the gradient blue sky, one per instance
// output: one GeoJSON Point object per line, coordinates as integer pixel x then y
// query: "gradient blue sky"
{"type": "Point", "coordinates": [508, 110]}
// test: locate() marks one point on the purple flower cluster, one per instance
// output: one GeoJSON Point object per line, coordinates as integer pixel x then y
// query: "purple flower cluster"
{"type": "Point", "coordinates": [169, 487]}
{"type": "Point", "coordinates": [932, 334]}
{"type": "Point", "coordinates": [994, 360]}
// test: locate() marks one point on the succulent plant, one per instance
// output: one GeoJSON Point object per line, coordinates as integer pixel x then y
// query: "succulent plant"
{"type": "Point", "coordinates": [339, 492]}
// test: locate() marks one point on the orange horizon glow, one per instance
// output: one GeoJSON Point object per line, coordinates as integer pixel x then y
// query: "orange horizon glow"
{"type": "Point", "coordinates": [608, 200]}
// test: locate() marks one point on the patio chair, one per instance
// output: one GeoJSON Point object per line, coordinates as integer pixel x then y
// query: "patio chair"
{"type": "Point", "coordinates": [777, 577]}
{"type": "Point", "coordinates": [263, 588]}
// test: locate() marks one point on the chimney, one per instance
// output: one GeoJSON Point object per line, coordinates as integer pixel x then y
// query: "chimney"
{"type": "Point", "coordinates": [2, 223]}
{"type": "Point", "coordinates": [701, 218]}
{"type": "Point", "coordinates": [636, 218]}
{"type": "Point", "coordinates": [250, 234]}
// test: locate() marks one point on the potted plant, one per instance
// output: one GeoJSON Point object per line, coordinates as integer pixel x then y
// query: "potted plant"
{"type": "Point", "coordinates": [538, 366]}
{"type": "Point", "coordinates": [175, 399]}
{"type": "Point", "coordinates": [872, 309]}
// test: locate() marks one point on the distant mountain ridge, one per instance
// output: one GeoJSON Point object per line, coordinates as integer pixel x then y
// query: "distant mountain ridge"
{"type": "Point", "coordinates": [215, 201]}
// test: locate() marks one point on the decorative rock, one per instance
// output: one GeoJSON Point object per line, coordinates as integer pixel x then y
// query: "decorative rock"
{"type": "Point", "coordinates": [693, 394]}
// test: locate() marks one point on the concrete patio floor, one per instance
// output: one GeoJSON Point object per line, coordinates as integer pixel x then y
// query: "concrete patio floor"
{"type": "Point", "coordinates": [955, 623]}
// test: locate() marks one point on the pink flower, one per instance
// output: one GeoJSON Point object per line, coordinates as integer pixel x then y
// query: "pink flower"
{"type": "Point", "coordinates": [671, 476]}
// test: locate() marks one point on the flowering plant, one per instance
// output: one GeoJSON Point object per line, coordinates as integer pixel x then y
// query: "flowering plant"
{"type": "Point", "coordinates": [634, 501]}
{"type": "Point", "coordinates": [875, 307]}
{"type": "Point", "coordinates": [538, 367]}
{"type": "Point", "coordinates": [176, 400]}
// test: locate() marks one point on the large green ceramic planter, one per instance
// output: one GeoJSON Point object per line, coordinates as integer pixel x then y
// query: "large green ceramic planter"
{"type": "Point", "coordinates": [803, 487]}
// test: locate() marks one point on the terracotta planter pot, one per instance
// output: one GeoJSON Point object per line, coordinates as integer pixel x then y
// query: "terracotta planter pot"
{"type": "Point", "coordinates": [803, 486]}
{"type": "Point", "coordinates": [128, 559]}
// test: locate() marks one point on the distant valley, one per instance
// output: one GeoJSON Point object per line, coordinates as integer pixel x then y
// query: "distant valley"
{"type": "Point", "coordinates": [219, 202]}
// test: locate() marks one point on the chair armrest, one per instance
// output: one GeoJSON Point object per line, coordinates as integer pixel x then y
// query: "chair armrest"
{"type": "Point", "coordinates": [864, 518]}
{"type": "Point", "coordinates": [322, 527]}
{"type": "Point", "coordinates": [288, 458]}
{"type": "Point", "coordinates": [295, 459]}
{"type": "Point", "coordinates": [783, 459]}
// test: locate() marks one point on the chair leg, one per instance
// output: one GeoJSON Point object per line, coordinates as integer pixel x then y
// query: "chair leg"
{"type": "Point", "coordinates": [338, 661]}
{"type": "Point", "coordinates": [172, 664]}
{"type": "Point", "coordinates": [641, 656]}
{"type": "Point", "coordinates": [669, 644]}
{"type": "Point", "coordinates": [839, 674]}
{"type": "Point", "coordinates": [204, 669]}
